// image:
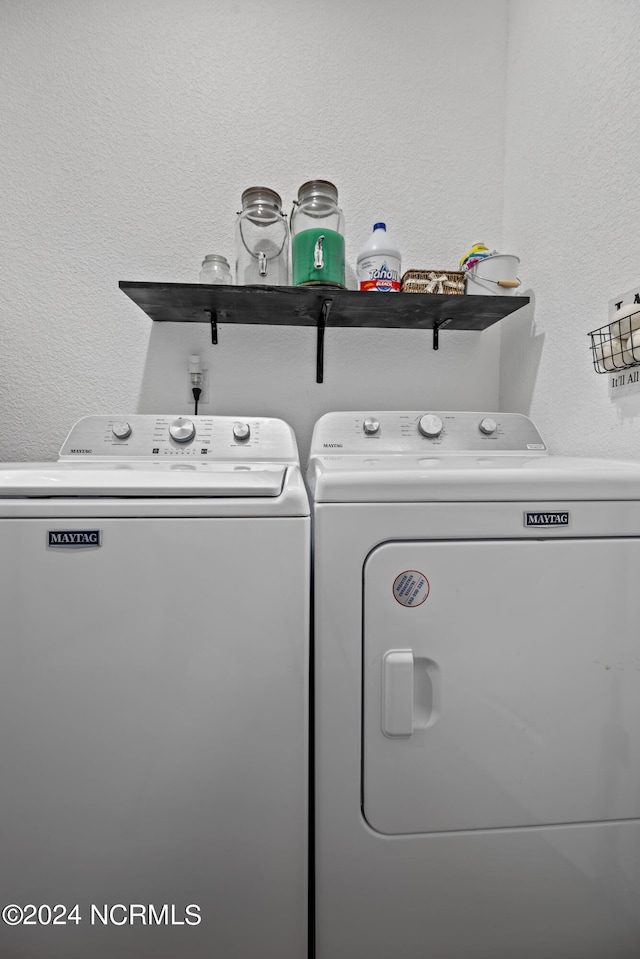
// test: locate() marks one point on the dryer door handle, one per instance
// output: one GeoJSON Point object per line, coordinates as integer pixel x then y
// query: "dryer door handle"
{"type": "Point", "coordinates": [397, 693]}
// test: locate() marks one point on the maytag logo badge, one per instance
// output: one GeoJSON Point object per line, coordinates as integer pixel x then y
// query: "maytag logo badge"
{"type": "Point", "coordinates": [546, 519]}
{"type": "Point", "coordinates": [74, 537]}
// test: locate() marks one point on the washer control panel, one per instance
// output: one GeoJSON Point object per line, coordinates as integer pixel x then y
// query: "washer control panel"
{"type": "Point", "coordinates": [422, 431]}
{"type": "Point", "coordinates": [152, 437]}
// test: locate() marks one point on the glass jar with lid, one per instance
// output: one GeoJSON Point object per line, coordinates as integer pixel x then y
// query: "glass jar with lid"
{"type": "Point", "coordinates": [317, 236]}
{"type": "Point", "coordinates": [215, 269]}
{"type": "Point", "coordinates": [262, 239]}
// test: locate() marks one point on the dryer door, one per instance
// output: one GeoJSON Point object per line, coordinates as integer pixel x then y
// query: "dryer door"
{"type": "Point", "coordinates": [501, 684]}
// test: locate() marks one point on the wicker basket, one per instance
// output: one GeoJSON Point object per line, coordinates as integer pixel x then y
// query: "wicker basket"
{"type": "Point", "coordinates": [449, 282]}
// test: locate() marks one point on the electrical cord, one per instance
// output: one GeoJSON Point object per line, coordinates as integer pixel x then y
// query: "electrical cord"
{"type": "Point", "coordinates": [195, 377]}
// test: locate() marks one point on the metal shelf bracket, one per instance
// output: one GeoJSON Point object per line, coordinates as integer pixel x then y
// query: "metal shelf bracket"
{"type": "Point", "coordinates": [438, 324]}
{"type": "Point", "coordinates": [322, 323]}
{"type": "Point", "coordinates": [214, 326]}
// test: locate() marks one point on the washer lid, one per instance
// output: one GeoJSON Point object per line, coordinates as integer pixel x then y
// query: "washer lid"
{"type": "Point", "coordinates": [470, 478]}
{"type": "Point", "coordinates": [145, 480]}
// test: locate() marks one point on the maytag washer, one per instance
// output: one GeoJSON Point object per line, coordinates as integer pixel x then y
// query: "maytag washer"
{"type": "Point", "coordinates": [153, 693]}
{"type": "Point", "coordinates": [477, 714]}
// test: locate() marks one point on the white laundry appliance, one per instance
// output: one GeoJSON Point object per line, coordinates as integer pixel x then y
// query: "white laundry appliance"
{"type": "Point", "coordinates": [154, 600]}
{"type": "Point", "coordinates": [477, 704]}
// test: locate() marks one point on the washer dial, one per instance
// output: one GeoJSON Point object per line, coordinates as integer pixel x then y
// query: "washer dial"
{"type": "Point", "coordinates": [241, 431]}
{"type": "Point", "coordinates": [371, 426]}
{"type": "Point", "coordinates": [182, 430]}
{"type": "Point", "coordinates": [121, 431]}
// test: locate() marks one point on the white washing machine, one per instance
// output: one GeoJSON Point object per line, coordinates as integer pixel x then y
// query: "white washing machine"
{"type": "Point", "coordinates": [154, 595]}
{"type": "Point", "coordinates": [477, 714]}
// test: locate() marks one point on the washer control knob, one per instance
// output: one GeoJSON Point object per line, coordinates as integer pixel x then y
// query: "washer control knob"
{"type": "Point", "coordinates": [241, 431]}
{"type": "Point", "coordinates": [121, 431]}
{"type": "Point", "coordinates": [487, 425]}
{"type": "Point", "coordinates": [430, 425]}
{"type": "Point", "coordinates": [182, 430]}
{"type": "Point", "coordinates": [371, 426]}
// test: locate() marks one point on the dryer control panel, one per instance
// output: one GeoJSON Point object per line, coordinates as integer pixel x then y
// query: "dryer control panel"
{"type": "Point", "coordinates": [153, 437]}
{"type": "Point", "coordinates": [420, 431]}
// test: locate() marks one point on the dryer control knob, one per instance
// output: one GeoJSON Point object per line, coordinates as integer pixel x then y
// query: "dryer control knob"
{"type": "Point", "coordinates": [241, 431]}
{"type": "Point", "coordinates": [430, 425]}
{"type": "Point", "coordinates": [487, 425]}
{"type": "Point", "coordinates": [121, 431]}
{"type": "Point", "coordinates": [371, 426]}
{"type": "Point", "coordinates": [182, 430]}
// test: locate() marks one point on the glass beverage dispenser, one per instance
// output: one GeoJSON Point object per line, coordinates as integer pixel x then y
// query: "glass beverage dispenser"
{"type": "Point", "coordinates": [317, 236]}
{"type": "Point", "coordinates": [262, 239]}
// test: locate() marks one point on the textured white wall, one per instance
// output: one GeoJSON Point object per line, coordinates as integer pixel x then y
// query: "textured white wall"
{"type": "Point", "coordinates": [572, 212]}
{"type": "Point", "coordinates": [128, 130]}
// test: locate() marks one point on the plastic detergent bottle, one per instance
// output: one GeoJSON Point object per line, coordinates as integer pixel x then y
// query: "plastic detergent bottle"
{"type": "Point", "coordinates": [378, 265]}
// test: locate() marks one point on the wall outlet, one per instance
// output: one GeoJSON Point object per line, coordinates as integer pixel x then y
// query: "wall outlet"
{"type": "Point", "coordinates": [204, 386]}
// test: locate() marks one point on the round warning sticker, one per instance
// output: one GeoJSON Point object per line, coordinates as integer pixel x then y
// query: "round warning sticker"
{"type": "Point", "coordinates": [410, 588]}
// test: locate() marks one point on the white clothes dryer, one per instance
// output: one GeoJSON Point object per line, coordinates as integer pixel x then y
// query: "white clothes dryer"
{"type": "Point", "coordinates": [477, 677]}
{"type": "Point", "coordinates": [153, 693]}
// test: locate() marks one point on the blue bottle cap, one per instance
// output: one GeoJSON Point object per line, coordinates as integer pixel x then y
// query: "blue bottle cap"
{"type": "Point", "coordinates": [379, 226]}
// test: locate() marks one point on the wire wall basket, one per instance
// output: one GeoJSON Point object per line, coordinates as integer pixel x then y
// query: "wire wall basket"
{"type": "Point", "coordinates": [617, 345]}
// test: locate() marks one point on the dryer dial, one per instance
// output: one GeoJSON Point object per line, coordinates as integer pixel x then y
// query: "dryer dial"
{"type": "Point", "coordinates": [487, 425]}
{"type": "Point", "coordinates": [371, 426]}
{"type": "Point", "coordinates": [430, 425]}
{"type": "Point", "coordinates": [182, 430]}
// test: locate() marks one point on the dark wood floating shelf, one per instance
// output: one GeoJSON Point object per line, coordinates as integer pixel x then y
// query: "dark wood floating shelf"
{"type": "Point", "coordinates": [317, 306]}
